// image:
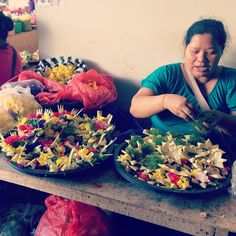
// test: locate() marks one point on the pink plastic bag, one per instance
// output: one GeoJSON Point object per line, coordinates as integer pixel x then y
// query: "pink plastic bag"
{"type": "Point", "coordinates": [65, 217]}
{"type": "Point", "coordinates": [92, 88]}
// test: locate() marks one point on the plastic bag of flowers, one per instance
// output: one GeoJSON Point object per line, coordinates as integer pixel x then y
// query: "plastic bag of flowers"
{"type": "Point", "coordinates": [14, 103]}
{"type": "Point", "coordinates": [92, 89]}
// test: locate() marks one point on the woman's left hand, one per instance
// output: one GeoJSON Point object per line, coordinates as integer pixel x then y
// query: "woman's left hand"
{"type": "Point", "coordinates": [210, 119]}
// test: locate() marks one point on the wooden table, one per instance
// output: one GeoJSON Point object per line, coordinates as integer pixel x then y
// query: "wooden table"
{"type": "Point", "coordinates": [214, 215]}
{"type": "Point", "coordinates": [24, 41]}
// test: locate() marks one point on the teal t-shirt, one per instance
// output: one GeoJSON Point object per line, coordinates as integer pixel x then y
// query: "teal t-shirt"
{"type": "Point", "coordinates": [170, 79]}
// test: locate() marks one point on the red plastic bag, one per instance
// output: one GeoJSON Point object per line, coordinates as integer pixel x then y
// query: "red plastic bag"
{"type": "Point", "coordinates": [54, 90]}
{"type": "Point", "coordinates": [92, 88]}
{"type": "Point", "coordinates": [65, 217]}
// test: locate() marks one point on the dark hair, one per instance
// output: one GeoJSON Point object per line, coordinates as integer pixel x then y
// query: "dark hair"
{"type": "Point", "coordinates": [6, 24]}
{"type": "Point", "coordinates": [208, 26]}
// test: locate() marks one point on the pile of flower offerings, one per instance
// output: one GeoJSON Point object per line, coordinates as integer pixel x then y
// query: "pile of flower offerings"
{"type": "Point", "coordinates": [58, 141]}
{"type": "Point", "coordinates": [174, 161]}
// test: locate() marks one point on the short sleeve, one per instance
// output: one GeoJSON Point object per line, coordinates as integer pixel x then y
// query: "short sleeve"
{"type": "Point", "coordinates": [228, 85]}
{"type": "Point", "coordinates": [156, 81]}
{"type": "Point", "coordinates": [231, 96]}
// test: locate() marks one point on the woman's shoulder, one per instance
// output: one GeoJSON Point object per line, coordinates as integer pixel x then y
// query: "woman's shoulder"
{"type": "Point", "coordinates": [229, 74]}
{"type": "Point", "coordinates": [167, 70]}
{"type": "Point", "coordinates": [229, 71]}
{"type": "Point", "coordinates": [173, 66]}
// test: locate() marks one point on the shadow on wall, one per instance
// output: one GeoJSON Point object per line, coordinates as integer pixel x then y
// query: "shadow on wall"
{"type": "Point", "coordinates": [125, 89]}
{"type": "Point", "coordinates": [230, 59]}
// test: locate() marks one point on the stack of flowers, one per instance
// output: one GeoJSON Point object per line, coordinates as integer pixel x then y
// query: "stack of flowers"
{"type": "Point", "coordinates": [58, 141]}
{"type": "Point", "coordinates": [174, 161]}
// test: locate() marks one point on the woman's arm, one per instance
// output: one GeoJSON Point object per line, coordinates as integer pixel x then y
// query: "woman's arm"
{"type": "Point", "coordinates": [145, 103]}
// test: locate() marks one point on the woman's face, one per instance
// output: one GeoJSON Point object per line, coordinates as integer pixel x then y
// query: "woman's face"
{"type": "Point", "coordinates": [202, 55]}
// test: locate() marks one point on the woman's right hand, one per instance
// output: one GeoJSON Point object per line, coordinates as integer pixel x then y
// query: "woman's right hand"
{"type": "Point", "coordinates": [179, 106]}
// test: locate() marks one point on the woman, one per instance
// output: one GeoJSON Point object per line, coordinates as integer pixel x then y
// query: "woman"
{"type": "Point", "coordinates": [166, 94]}
{"type": "Point", "coordinates": [10, 60]}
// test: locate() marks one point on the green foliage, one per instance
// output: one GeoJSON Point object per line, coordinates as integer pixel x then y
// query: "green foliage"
{"type": "Point", "coordinates": [179, 141]}
{"type": "Point", "coordinates": [197, 124]}
{"type": "Point", "coordinates": [175, 134]}
{"type": "Point", "coordinates": [151, 161]}
{"type": "Point", "coordinates": [159, 139]}
{"type": "Point", "coordinates": [136, 154]}
{"type": "Point", "coordinates": [33, 122]}
{"type": "Point", "coordinates": [207, 117]}
{"type": "Point", "coordinates": [194, 139]}
{"type": "Point", "coordinates": [156, 132]}
{"type": "Point", "coordinates": [134, 139]}
{"type": "Point", "coordinates": [147, 148]}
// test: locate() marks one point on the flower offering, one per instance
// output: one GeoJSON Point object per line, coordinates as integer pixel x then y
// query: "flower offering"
{"type": "Point", "coordinates": [174, 161]}
{"type": "Point", "coordinates": [58, 141]}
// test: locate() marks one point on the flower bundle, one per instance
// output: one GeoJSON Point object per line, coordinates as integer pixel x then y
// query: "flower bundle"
{"type": "Point", "coordinates": [60, 73]}
{"type": "Point", "coordinates": [174, 161]}
{"type": "Point", "coordinates": [58, 141]}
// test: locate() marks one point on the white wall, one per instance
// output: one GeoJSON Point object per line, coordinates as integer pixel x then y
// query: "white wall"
{"type": "Point", "coordinates": [128, 38]}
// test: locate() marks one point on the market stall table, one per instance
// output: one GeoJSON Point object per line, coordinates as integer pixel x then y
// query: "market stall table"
{"type": "Point", "coordinates": [24, 41]}
{"type": "Point", "coordinates": [209, 215]}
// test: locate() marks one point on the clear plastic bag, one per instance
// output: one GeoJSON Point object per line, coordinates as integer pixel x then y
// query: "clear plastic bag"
{"type": "Point", "coordinates": [6, 121]}
{"type": "Point", "coordinates": [34, 85]}
{"type": "Point", "coordinates": [15, 102]}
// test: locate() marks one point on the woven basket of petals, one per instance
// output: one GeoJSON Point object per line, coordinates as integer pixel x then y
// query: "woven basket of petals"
{"type": "Point", "coordinates": [60, 69]}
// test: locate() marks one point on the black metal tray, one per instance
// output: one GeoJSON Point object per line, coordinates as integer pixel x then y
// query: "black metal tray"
{"type": "Point", "coordinates": [86, 168]}
{"type": "Point", "coordinates": [142, 184]}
